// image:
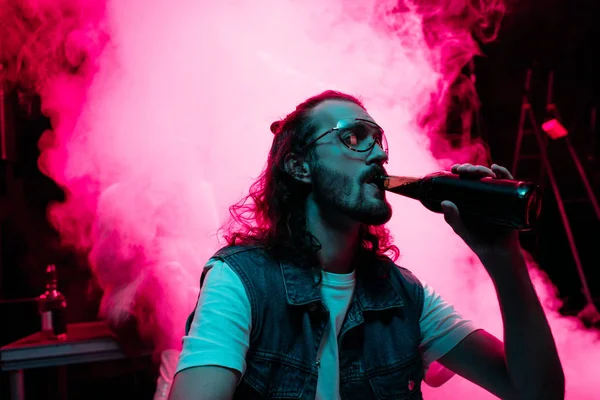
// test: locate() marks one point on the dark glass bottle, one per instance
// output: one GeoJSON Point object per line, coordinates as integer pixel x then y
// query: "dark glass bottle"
{"type": "Point", "coordinates": [53, 306]}
{"type": "Point", "coordinates": [510, 203]}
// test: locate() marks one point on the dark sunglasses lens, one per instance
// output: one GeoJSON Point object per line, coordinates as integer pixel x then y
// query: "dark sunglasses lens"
{"type": "Point", "coordinates": [361, 136]}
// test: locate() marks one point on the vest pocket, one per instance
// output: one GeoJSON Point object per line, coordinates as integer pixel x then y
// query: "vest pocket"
{"type": "Point", "coordinates": [274, 376]}
{"type": "Point", "coordinates": [401, 383]}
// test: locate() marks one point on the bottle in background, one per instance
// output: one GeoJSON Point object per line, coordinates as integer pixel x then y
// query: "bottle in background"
{"type": "Point", "coordinates": [510, 203]}
{"type": "Point", "coordinates": [53, 307]}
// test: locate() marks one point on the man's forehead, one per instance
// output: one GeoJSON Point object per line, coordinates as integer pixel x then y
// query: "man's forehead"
{"type": "Point", "coordinates": [329, 112]}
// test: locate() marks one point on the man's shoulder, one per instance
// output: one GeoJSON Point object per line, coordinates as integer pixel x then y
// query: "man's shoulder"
{"type": "Point", "coordinates": [408, 275]}
{"type": "Point", "coordinates": [240, 251]}
{"type": "Point", "coordinates": [400, 272]}
{"type": "Point", "coordinates": [404, 280]}
{"type": "Point", "coordinates": [244, 258]}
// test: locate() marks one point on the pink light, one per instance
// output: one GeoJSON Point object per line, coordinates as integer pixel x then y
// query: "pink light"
{"type": "Point", "coordinates": [554, 129]}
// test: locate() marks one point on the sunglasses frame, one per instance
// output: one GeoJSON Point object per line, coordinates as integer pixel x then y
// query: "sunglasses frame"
{"type": "Point", "coordinates": [338, 127]}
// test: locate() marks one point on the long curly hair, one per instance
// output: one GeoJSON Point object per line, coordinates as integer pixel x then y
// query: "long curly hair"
{"type": "Point", "coordinates": [272, 215]}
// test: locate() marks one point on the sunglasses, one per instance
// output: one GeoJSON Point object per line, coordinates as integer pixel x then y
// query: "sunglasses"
{"type": "Point", "coordinates": [356, 134]}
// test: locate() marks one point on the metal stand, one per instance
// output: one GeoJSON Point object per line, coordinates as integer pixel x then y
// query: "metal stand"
{"type": "Point", "coordinates": [590, 312]}
{"type": "Point", "coordinates": [11, 189]}
{"type": "Point", "coordinates": [3, 179]}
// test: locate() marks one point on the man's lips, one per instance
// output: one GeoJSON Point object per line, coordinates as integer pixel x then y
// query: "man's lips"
{"type": "Point", "coordinates": [376, 188]}
{"type": "Point", "coordinates": [373, 176]}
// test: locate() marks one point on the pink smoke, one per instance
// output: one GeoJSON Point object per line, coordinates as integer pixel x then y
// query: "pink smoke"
{"type": "Point", "coordinates": [161, 114]}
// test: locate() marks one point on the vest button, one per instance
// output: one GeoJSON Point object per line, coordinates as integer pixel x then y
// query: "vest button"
{"type": "Point", "coordinates": [411, 385]}
{"type": "Point", "coordinates": [318, 363]}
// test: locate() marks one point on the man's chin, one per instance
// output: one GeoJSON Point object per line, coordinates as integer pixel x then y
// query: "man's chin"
{"type": "Point", "coordinates": [380, 220]}
{"type": "Point", "coordinates": [377, 217]}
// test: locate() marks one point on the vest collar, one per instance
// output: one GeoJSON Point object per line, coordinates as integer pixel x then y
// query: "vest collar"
{"type": "Point", "coordinates": [375, 289]}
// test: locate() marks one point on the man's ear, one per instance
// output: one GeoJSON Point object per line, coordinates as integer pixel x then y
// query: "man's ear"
{"type": "Point", "coordinates": [297, 167]}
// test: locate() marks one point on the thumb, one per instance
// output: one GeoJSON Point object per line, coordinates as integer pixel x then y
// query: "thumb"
{"type": "Point", "coordinates": [452, 217]}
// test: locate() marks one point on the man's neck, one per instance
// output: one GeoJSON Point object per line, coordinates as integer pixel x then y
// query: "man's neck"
{"type": "Point", "coordinates": [338, 237]}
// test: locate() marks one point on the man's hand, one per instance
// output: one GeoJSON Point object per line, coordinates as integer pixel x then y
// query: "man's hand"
{"type": "Point", "coordinates": [485, 239]}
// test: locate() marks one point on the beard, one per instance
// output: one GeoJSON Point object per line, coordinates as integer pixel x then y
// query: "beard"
{"type": "Point", "coordinates": [339, 193]}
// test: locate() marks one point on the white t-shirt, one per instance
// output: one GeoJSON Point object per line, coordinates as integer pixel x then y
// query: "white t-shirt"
{"type": "Point", "coordinates": [220, 331]}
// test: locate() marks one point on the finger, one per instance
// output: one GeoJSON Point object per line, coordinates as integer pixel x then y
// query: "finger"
{"type": "Point", "coordinates": [501, 172]}
{"type": "Point", "coordinates": [480, 171]}
{"type": "Point", "coordinates": [476, 171]}
{"type": "Point", "coordinates": [461, 168]}
{"type": "Point", "coordinates": [452, 217]}
{"type": "Point", "coordinates": [473, 171]}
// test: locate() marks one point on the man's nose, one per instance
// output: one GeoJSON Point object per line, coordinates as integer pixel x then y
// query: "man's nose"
{"type": "Point", "coordinates": [377, 155]}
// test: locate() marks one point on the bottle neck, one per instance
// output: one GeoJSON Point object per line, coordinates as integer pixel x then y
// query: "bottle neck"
{"type": "Point", "coordinates": [402, 185]}
{"type": "Point", "coordinates": [51, 280]}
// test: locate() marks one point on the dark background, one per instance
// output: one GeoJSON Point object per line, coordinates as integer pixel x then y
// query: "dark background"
{"type": "Point", "coordinates": [562, 37]}
{"type": "Point", "coordinates": [541, 35]}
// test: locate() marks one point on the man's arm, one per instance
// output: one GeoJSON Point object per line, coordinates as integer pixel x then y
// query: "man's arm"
{"type": "Point", "coordinates": [212, 358]}
{"type": "Point", "coordinates": [533, 369]}
{"type": "Point", "coordinates": [527, 365]}
{"type": "Point", "coordinates": [437, 375]}
{"type": "Point", "coordinates": [207, 382]}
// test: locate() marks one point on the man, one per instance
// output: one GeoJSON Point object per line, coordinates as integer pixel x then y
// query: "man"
{"type": "Point", "coordinates": [304, 304]}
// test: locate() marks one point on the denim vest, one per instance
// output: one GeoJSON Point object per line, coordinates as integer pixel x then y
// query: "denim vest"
{"type": "Point", "coordinates": [378, 342]}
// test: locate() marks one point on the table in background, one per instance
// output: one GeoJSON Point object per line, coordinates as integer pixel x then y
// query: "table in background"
{"type": "Point", "coordinates": [86, 342]}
